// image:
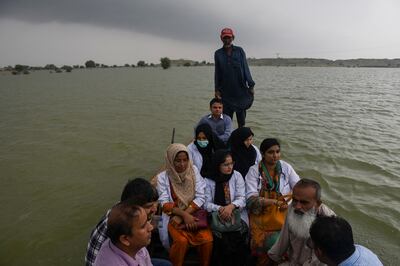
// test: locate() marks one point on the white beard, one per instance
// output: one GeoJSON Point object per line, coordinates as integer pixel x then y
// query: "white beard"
{"type": "Point", "coordinates": [300, 225]}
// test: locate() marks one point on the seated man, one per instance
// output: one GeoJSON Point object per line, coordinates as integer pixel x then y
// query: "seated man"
{"type": "Point", "coordinates": [129, 229]}
{"type": "Point", "coordinates": [145, 195]}
{"type": "Point", "coordinates": [305, 207]}
{"type": "Point", "coordinates": [333, 244]}
{"type": "Point", "coordinates": [220, 124]}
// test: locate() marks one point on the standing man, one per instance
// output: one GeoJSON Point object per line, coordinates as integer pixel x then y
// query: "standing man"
{"type": "Point", "coordinates": [233, 81]}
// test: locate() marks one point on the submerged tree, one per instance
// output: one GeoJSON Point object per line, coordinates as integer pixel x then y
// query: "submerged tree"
{"type": "Point", "coordinates": [21, 68]}
{"type": "Point", "coordinates": [90, 64]}
{"type": "Point", "coordinates": [50, 67]}
{"type": "Point", "coordinates": [165, 62]}
{"type": "Point", "coordinates": [67, 68]}
{"type": "Point", "coordinates": [141, 63]}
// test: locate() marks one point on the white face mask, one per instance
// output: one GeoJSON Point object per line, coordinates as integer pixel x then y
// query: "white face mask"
{"type": "Point", "coordinates": [202, 143]}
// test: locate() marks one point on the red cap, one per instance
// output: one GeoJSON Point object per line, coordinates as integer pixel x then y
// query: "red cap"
{"type": "Point", "coordinates": [227, 32]}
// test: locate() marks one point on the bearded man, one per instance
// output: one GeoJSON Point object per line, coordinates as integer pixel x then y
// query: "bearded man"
{"type": "Point", "coordinates": [306, 206]}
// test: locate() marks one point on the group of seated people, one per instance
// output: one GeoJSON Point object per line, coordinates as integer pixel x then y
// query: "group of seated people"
{"type": "Point", "coordinates": [236, 204]}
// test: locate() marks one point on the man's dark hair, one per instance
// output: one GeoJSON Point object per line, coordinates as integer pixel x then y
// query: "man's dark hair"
{"type": "Point", "coordinates": [333, 235]}
{"type": "Point", "coordinates": [139, 188]}
{"type": "Point", "coordinates": [215, 100]}
{"type": "Point", "coordinates": [120, 220]}
{"type": "Point", "coordinates": [305, 182]}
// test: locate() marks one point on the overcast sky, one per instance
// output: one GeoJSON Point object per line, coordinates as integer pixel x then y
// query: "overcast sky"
{"type": "Point", "coordinates": [37, 32]}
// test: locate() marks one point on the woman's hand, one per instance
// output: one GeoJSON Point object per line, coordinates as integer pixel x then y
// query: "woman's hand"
{"type": "Point", "coordinates": [269, 202]}
{"type": "Point", "coordinates": [176, 221]}
{"type": "Point", "coordinates": [190, 222]}
{"type": "Point", "coordinates": [225, 212]}
{"type": "Point", "coordinates": [282, 205]}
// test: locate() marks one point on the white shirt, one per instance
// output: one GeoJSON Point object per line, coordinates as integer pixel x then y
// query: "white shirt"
{"type": "Point", "coordinates": [164, 190]}
{"type": "Point", "coordinates": [197, 159]}
{"type": "Point", "coordinates": [287, 180]}
{"type": "Point", "coordinates": [237, 193]}
{"type": "Point", "coordinates": [258, 157]}
{"type": "Point", "coordinates": [195, 155]}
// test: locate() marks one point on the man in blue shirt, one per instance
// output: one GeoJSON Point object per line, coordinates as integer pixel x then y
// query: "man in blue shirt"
{"type": "Point", "coordinates": [233, 81]}
{"type": "Point", "coordinates": [333, 244]}
{"type": "Point", "coordinates": [220, 124]}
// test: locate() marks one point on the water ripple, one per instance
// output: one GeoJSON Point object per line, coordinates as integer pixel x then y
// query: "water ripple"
{"type": "Point", "coordinates": [68, 144]}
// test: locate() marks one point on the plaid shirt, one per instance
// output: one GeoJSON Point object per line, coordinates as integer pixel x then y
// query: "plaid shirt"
{"type": "Point", "coordinates": [97, 238]}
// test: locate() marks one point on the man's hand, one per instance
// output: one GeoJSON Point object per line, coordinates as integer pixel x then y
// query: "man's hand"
{"type": "Point", "coordinates": [251, 90]}
{"type": "Point", "coordinates": [218, 94]}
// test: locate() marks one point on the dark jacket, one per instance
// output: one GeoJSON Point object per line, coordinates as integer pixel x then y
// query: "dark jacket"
{"type": "Point", "coordinates": [233, 78]}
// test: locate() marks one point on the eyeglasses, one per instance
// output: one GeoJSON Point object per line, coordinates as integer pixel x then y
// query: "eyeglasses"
{"type": "Point", "coordinates": [228, 164]}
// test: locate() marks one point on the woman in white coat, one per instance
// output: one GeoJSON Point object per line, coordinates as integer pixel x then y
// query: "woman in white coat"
{"type": "Point", "coordinates": [244, 153]}
{"type": "Point", "coordinates": [202, 148]}
{"type": "Point", "coordinates": [225, 194]}
{"type": "Point", "coordinates": [181, 190]}
{"type": "Point", "coordinates": [268, 187]}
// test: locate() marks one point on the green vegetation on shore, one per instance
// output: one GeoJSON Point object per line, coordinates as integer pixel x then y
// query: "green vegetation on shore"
{"type": "Point", "coordinates": [165, 63]}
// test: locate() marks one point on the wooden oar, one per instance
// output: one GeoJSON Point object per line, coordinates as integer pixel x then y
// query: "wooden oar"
{"type": "Point", "coordinates": [173, 136]}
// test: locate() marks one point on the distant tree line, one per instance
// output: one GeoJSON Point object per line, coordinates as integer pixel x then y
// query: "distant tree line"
{"type": "Point", "coordinates": [165, 63]}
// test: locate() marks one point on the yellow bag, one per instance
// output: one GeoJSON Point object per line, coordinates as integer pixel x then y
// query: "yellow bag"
{"type": "Point", "coordinates": [272, 218]}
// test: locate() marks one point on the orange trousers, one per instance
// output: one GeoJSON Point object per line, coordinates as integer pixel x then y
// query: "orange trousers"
{"type": "Point", "coordinates": [182, 240]}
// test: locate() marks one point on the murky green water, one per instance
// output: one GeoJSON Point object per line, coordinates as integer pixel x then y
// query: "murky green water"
{"type": "Point", "coordinates": [70, 141]}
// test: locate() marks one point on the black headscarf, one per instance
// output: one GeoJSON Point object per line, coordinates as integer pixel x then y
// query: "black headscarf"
{"type": "Point", "coordinates": [219, 158]}
{"type": "Point", "coordinates": [213, 144]}
{"type": "Point", "coordinates": [244, 157]}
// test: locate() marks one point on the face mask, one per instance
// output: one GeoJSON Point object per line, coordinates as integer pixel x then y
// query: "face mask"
{"type": "Point", "coordinates": [202, 143]}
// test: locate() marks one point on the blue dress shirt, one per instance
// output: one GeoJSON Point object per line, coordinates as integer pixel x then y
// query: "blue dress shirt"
{"type": "Point", "coordinates": [362, 257]}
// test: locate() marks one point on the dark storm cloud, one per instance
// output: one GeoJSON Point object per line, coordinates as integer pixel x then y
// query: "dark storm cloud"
{"type": "Point", "coordinates": [182, 20]}
{"type": "Point", "coordinates": [287, 28]}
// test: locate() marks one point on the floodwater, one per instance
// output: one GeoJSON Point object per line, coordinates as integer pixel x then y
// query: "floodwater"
{"type": "Point", "coordinates": [70, 141]}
